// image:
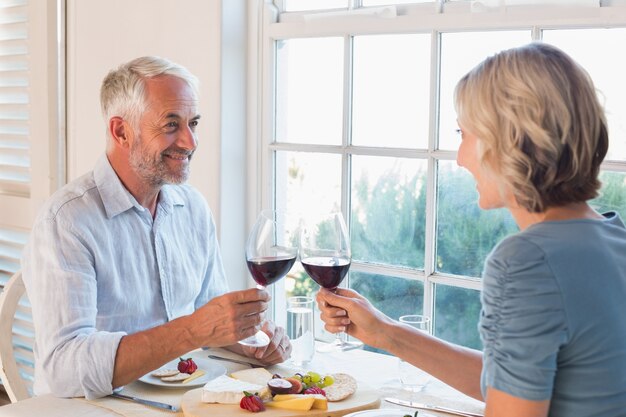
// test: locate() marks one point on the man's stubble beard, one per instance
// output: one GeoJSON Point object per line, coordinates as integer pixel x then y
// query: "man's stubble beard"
{"type": "Point", "coordinates": [154, 170]}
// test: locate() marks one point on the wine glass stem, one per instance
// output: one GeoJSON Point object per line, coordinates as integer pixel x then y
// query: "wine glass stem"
{"type": "Point", "coordinates": [261, 287]}
{"type": "Point", "coordinates": [340, 338]}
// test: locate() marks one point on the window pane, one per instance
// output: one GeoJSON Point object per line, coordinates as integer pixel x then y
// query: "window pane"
{"type": "Point", "coordinates": [460, 52]}
{"type": "Point", "coordinates": [391, 91]}
{"type": "Point", "coordinates": [298, 283]}
{"type": "Point", "coordinates": [607, 71]}
{"type": "Point", "coordinates": [465, 233]}
{"type": "Point", "coordinates": [613, 193]}
{"type": "Point", "coordinates": [309, 90]}
{"type": "Point", "coordinates": [393, 296]}
{"type": "Point", "coordinates": [388, 210]}
{"type": "Point", "coordinates": [302, 5]}
{"type": "Point", "coordinates": [303, 178]}
{"type": "Point", "coordinates": [457, 311]}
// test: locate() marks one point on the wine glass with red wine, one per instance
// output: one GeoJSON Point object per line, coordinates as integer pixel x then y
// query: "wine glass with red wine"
{"type": "Point", "coordinates": [271, 251]}
{"type": "Point", "coordinates": [325, 255]}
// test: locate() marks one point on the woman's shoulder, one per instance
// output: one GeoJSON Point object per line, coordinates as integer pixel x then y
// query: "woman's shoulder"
{"type": "Point", "coordinates": [518, 263]}
{"type": "Point", "coordinates": [518, 248]}
{"type": "Point", "coordinates": [548, 239]}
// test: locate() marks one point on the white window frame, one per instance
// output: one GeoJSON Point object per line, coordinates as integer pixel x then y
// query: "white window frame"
{"type": "Point", "coordinates": [436, 17]}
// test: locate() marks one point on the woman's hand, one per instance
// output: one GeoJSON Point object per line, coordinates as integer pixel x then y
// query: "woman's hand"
{"type": "Point", "coordinates": [346, 310]}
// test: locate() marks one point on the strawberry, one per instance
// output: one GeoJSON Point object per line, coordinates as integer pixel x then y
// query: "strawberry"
{"type": "Point", "coordinates": [314, 390]}
{"type": "Point", "coordinates": [251, 402]}
{"type": "Point", "coordinates": [187, 366]}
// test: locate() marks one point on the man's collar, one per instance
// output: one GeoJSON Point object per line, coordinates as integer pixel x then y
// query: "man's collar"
{"type": "Point", "coordinates": [117, 199]}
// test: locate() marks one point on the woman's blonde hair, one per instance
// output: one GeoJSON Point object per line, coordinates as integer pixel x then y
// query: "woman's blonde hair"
{"type": "Point", "coordinates": [541, 129]}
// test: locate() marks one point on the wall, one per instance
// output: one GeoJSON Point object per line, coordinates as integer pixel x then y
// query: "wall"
{"type": "Point", "coordinates": [101, 34]}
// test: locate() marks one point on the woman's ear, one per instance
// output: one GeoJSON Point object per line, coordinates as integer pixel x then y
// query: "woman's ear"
{"type": "Point", "coordinates": [120, 131]}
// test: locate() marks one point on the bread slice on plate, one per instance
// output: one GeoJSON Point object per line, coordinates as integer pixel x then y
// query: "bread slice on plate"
{"type": "Point", "coordinates": [343, 387]}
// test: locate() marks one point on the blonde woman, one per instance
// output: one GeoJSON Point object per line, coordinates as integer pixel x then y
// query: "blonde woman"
{"type": "Point", "coordinates": [533, 136]}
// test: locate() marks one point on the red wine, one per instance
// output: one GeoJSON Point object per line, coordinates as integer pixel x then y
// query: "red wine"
{"type": "Point", "coordinates": [268, 270]}
{"type": "Point", "coordinates": [327, 271]}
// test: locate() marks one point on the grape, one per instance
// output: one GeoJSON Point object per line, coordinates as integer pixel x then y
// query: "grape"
{"type": "Point", "coordinates": [315, 377]}
{"type": "Point", "coordinates": [327, 380]}
{"type": "Point", "coordinates": [306, 379]}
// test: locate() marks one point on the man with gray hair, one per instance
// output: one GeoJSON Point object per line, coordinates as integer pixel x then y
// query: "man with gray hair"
{"type": "Point", "coordinates": [123, 267]}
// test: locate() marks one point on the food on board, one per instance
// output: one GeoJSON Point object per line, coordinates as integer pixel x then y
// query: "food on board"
{"type": "Point", "coordinates": [279, 386]}
{"type": "Point", "coordinates": [343, 387]}
{"type": "Point", "coordinates": [251, 402]}
{"type": "Point", "coordinates": [320, 403]}
{"type": "Point", "coordinates": [227, 390]}
{"type": "Point", "coordinates": [258, 376]}
{"type": "Point", "coordinates": [314, 390]}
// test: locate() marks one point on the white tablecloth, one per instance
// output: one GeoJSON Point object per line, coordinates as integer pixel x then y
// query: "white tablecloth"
{"type": "Point", "coordinates": [376, 370]}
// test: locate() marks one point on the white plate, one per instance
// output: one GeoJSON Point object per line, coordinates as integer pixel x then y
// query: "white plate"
{"type": "Point", "coordinates": [211, 371]}
{"type": "Point", "coordinates": [388, 412]}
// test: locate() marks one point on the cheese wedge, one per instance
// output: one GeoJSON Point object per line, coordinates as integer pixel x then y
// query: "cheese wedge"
{"type": "Point", "coordinates": [301, 404]}
{"type": "Point", "coordinates": [258, 376]}
{"type": "Point", "coordinates": [320, 403]}
{"type": "Point", "coordinates": [227, 390]}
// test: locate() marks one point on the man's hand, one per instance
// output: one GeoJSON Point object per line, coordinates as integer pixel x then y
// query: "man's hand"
{"type": "Point", "coordinates": [229, 318]}
{"type": "Point", "coordinates": [278, 351]}
{"type": "Point", "coordinates": [221, 322]}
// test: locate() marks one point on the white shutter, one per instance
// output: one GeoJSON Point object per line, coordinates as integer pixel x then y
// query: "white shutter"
{"type": "Point", "coordinates": [14, 135]}
{"type": "Point", "coordinates": [14, 139]}
{"type": "Point", "coordinates": [12, 242]}
{"type": "Point", "coordinates": [31, 143]}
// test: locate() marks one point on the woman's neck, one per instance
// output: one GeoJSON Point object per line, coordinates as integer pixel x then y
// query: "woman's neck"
{"type": "Point", "coordinates": [573, 211]}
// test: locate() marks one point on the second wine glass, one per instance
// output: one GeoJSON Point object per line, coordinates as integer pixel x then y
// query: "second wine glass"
{"type": "Point", "coordinates": [326, 256]}
{"type": "Point", "coordinates": [271, 251]}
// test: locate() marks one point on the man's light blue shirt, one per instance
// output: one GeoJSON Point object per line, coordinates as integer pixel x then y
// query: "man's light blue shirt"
{"type": "Point", "coordinates": [98, 267]}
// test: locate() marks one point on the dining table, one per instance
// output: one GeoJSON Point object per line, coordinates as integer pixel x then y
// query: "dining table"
{"type": "Point", "coordinates": [374, 372]}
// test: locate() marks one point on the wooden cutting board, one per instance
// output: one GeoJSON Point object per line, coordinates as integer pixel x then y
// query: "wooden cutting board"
{"type": "Point", "coordinates": [363, 399]}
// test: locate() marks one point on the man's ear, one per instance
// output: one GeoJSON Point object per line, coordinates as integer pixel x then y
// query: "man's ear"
{"type": "Point", "coordinates": [120, 131]}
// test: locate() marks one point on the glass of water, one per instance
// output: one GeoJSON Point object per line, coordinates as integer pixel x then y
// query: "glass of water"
{"type": "Point", "coordinates": [412, 378]}
{"type": "Point", "coordinates": [300, 329]}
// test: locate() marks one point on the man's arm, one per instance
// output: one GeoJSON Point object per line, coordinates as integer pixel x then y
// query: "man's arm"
{"type": "Point", "coordinates": [221, 322]}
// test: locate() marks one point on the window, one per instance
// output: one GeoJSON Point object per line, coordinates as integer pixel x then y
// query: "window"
{"type": "Point", "coordinates": [357, 115]}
